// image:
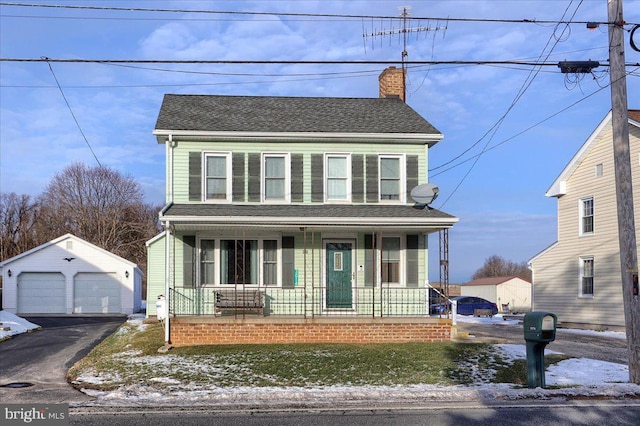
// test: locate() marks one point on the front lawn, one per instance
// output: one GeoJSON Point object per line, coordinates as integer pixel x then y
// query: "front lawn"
{"type": "Point", "coordinates": [130, 357]}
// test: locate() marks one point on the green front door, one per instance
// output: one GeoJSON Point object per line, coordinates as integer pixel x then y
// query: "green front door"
{"type": "Point", "coordinates": [339, 274]}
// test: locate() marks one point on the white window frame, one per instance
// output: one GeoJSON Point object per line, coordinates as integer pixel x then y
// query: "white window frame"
{"type": "Point", "coordinates": [229, 176]}
{"type": "Point", "coordinates": [402, 262]}
{"type": "Point", "coordinates": [402, 184]}
{"type": "Point", "coordinates": [347, 157]}
{"type": "Point", "coordinates": [218, 264]}
{"type": "Point", "coordinates": [287, 177]}
{"type": "Point", "coordinates": [581, 294]}
{"type": "Point", "coordinates": [581, 216]}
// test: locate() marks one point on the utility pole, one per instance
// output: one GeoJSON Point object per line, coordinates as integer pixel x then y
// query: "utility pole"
{"type": "Point", "coordinates": [624, 187]}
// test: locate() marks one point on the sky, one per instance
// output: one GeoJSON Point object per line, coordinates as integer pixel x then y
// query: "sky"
{"type": "Point", "coordinates": [582, 377]}
{"type": "Point", "coordinates": [509, 129]}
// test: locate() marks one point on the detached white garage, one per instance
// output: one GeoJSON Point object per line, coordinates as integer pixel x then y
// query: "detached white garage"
{"type": "Point", "coordinates": [70, 276]}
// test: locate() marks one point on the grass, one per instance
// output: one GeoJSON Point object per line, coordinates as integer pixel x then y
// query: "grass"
{"type": "Point", "coordinates": [130, 356]}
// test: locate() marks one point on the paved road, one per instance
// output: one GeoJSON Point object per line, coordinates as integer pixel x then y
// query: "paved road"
{"type": "Point", "coordinates": [43, 357]}
{"type": "Point", "coordinates": [548, 413]}
{"type": "Point", "coordinates": [603, 348]}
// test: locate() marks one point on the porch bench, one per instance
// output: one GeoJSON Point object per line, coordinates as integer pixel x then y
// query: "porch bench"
{"type": "Point", "coordinates": [482, 313]}
{"type": "Point", "coordinates": [245, 300]}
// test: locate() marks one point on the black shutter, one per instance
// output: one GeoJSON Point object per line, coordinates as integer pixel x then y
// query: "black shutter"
{"type": "Point", "coordinates": [238, 177]}
{"type": "Point", "coordinates": [357, 178]}
{"type": "Point", "coordinates": [372, 179]}
{"type": "Point", "coordinates": [195, 176]}
{"type": "Point", "coordinates": [412, 174]}
{"type": "Point", "coordinates": [297, 187]}
{"type": "Point", "coordinates": [413, 258]}
{"type": "Point", "coordinates": [370, 269]}
{"type": "Point", "coordinates": [288, 262]}
{"type": "Point", "coordinates": [254, 177]}
{"type": "Point", "coordinates": [317, 178]}
{"type": "Point", "coordinates": [189, 261]}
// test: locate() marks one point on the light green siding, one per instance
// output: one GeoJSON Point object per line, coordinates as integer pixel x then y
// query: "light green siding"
{"type": "Point", "coordinates": [182, 149]}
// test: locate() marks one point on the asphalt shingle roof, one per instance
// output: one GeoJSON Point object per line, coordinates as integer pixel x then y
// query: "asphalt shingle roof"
{"type": "Point", "coordinates": [306, 210]}
{"type": "Point", "coordinates": [289, 114]}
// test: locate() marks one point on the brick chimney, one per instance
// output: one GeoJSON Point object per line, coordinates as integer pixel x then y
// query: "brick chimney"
{"type": "Point", "coordinates": [392, 83]}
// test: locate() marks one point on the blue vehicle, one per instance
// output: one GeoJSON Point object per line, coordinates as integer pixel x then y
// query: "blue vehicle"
{"type": "Point", "coordinates": [466, 305]}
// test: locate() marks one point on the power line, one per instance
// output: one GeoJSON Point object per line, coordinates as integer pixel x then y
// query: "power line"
{"type": "Point", "coordinates": [73, 115]}
{"type": "Point", "coordinates": [292, 14]}
{"type": "Point", "coordinates": [279, 62]}
{"type": "Point", "coordinates": [525, 86]}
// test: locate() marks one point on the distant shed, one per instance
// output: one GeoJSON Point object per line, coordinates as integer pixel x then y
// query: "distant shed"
{"type": "Point", "coordinates": [511, 294]}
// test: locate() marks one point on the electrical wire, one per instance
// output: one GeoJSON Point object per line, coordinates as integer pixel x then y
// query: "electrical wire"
{"type": "Point", "coordinates": [73, 115]}
{"type": "Point", "coordinates": [291, 14]}
{"type": "Point", "coordinates": [493, 130]}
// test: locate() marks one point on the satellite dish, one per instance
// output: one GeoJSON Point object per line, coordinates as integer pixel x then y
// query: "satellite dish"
{"type": "Point", "coordinates": [425, 193]}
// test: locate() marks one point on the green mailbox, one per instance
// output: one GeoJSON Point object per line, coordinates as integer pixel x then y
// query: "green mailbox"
{"type": "Point", "coordinates": [540, 327]}
{"type": "Point", "coordinates": [539, 330]}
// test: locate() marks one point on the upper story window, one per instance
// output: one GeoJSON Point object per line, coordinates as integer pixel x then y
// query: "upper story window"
{"type": "Point", "coordinates": [217, 176]}
{"type": "Point", "coordinates": [276, 175]}
{"type": "Point", "coordinates": [338, 177]}
{"type": "Point", "coordinates": [391, 177]}
{"type": "Point", "coordinates": [586, 216]}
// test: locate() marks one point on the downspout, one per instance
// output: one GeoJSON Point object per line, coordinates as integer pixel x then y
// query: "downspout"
{"type": "Point", "coordinates": [167, 278]}
{"type": "Point", "coordinates": [170, 145]}
{"type": "Point", "coordinates": [167, 246]}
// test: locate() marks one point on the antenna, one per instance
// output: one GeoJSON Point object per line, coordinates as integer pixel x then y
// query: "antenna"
{"type": "Point", "coordinates": [406, 29]}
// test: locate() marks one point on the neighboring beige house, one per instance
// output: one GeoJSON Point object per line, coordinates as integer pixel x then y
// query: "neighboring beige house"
{"type": "Point", "coordinates": [578, 277]}
{"type": "Point", "coordinates": [511, 294]}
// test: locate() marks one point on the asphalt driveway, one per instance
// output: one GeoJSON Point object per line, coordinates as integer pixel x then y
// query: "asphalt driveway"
{"type": "Point", "coordinates": [41, 358]}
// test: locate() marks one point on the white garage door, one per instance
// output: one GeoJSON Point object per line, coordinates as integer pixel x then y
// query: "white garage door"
{"type": "Point", "coordinates": [42, 293]}
{"type": "Point", "coordinates": [96, 293]}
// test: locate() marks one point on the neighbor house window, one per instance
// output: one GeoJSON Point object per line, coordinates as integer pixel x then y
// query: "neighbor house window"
{"type": "Point", "coordinates": [599, 170]}
{"type": "Point", "coordinates": [586, 216]}
{"type": "Point", "coordinates": [238, 262]}
{"type": "Point", "coordinates": [586, 277]}
{"type": "Point", "coordinates": [217, 176]}
{"type": "Point", "coordinates": [390, 266]}
{"type": "Point", "coordinates": [391, 178]}
{"type": "Point", "coordinates": [338, 177]}
{"type": "Point", "coordinates": [275, 174]}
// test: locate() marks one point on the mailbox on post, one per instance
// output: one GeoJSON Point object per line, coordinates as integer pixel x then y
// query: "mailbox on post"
{"type": "Point", "coordinates": [539, 330]}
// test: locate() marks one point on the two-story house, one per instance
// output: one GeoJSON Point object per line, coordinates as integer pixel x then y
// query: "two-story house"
{"type": "Point", "coordinates": [289, 219]}
{"type": "Point", "coordinates": [578, 277]}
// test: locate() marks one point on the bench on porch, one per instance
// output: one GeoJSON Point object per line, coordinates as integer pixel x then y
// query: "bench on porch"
{"type": "Point", "coordinates": [237, 299]}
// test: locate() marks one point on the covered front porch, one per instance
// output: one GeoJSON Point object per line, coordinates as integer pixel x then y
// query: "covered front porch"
{"type": "Point", "coordinates": [354, 268]}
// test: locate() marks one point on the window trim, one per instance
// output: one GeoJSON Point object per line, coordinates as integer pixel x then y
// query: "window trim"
{"type": "Point", "coordinates": [287, 177]}
{"type": "Point", "coordinates": [402, 263]}
{"type": "Point", "coordinates": [582, 216]}
{"type": "Point", "coordinates": [218, 262]}
{"type": "Point", "coordinates": [581, 293]}
{"type": "Point", "coordinates": [402, 179]}
{"type": "Point", "coordinates": [348, 177]}
{"type": "Point", "coordinates": [229, 176]}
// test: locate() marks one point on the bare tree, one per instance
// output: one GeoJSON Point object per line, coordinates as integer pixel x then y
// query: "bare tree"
{"type": "Point", "coordinates": [100, 205]}
{"type": "Point", "coordinates": [496, 266]}
{"type": "Point", "coordinates": [18, 215]}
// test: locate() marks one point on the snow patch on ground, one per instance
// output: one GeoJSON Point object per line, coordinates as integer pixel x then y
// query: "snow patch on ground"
{"type": "Point", "coordinates": [11, 325]}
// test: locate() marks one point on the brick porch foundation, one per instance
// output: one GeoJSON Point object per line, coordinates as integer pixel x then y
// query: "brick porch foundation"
{"type": "Point", "coordinates": [186, 331]}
